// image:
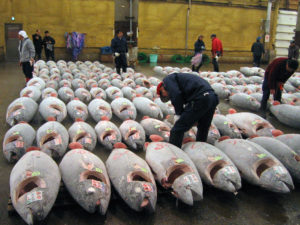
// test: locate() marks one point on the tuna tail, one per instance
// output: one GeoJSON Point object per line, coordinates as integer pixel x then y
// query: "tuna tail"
{"type": "Point", "coordinates": [277, 132]}
{"type": "Point", "coordinates": [231, 111]}
{"type": "Point", "coordinates": [156, 138]}
{"type": "Point", "coordinates": [33, 148]}
{"type": "Point", "coordinates": [223, 138]}
{"type": "Point", "coordinates": [79, 120]}
{"type": "Point", "coordinates": [51, 118]}
{"type": "Point", "coordinates": [120, 145]}
{"type": "Point", "coordinates": [75, 145]}
{"type": "Point", "coordinates": [104, 118]}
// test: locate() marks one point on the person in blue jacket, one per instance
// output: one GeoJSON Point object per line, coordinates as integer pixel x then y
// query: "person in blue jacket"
{"type": "Point", "coordinates": [120, 51]}
{"type": "Point", "coordinates": [194, 101]}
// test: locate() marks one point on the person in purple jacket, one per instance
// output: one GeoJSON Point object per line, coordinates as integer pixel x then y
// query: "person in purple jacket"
{"type": "Point", "coordinates": [194, 101]}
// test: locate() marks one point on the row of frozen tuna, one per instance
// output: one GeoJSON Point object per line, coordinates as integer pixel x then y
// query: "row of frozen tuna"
{"type": "Point", "coordinates": [35, 179]}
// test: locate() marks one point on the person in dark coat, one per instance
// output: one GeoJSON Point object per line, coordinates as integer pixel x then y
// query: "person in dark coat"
{"type": "Point", "coordinates": [49, 43]}
{"type": "Point", "coordinates": [293, 51]}
{"type": "Point", "coordinates": [257, 49]}
{"type": "Point", "coordinates": [194, 101]}
{"type": "Point", "coordinates": [120, 51]}
{"type": "Point", "coordinates": [277, 73]}
{"type": "Point", "coordinates": [199, 47]}
{"type": "Point", "coordinates": [38, 44]}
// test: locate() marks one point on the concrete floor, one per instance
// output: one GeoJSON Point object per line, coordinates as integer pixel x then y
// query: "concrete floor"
{"type": "Point", "coordinates": [252, 205]}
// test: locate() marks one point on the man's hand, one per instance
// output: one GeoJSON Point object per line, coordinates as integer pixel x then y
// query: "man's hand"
{"type": "Point", "coordinates": [31, 61]}
{"type": "Point", "coordinates": [20, 64]}
{"type": "Point", "coordinates": [127, 55]}
{"type": "Point", "coordinates": [117, 54]}
{"type": "Point", "coordinates": [272, 91]}
{"type": "Point", "coordinates": [176, 117]}
{"type": "Point", "coordinates": [280, 85]}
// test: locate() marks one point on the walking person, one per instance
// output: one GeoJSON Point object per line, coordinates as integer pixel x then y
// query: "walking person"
{"type": "Point", "coordinates": [194, 101]}
{"type": "Point", "coordinates": [257, 49]}
{"type": "Point", "coordinates": [293, 51]}
{"type": "Point", "coordinates": [120, 51]}
{"type": "Point", "coordinates": [199, 48]}
{"type": "Point", "coordinates": [277, 73]}
{"type": "Point", "coordinates": [216, 50]}
{"type": "Point", "coordinates": [38, 44]}
{"type": "Point", "coordinates": [27, 53]}
{"type": "Point", "coordinates": [49, 43]}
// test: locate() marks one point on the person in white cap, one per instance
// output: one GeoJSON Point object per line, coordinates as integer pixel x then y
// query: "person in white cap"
{"type": "Point", "coordinates": [27, 53]}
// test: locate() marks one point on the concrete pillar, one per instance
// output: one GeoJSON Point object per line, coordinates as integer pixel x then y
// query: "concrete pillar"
{"type": "Point", "coordinates": [297, 31]}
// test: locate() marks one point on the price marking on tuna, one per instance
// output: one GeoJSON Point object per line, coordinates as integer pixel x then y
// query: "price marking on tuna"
{"type": "Point", "coordinates": [99, 170]}
{"type": "Point", "coordinates": [262, 155]}
{"type": "Point", "coordinates": [34, 196]}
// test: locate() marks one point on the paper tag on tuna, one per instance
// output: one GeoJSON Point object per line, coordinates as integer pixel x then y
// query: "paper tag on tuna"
{"type": "Point", "coordinates": [34, 196]}
{"type": "Point", "coordinates": [225, 122]}
{"type": "Point", "coordinates": [124, 103]}
{"type": "Point", "coordinates": [229, 170]}
{"type": "Point", "coordinates": [108, 129]}
{"type": "Point", "coordinates": [19, 144]}
{"type": "Point", "coordinates": [16, 113]}
{"type": "Point", "coordinates": [99, 170]}
{"type": "Point", "coordinates": [279, 170]}
{"type": "Point", "coordinates": [179, 160]}
{"type": "Point", "coordinates": [136, 136]}
{"type": "Point", "coordinates": [88, 140]}
{"type": "Point", "coordinates": [218, 158]}
{"type": "Point", "coordinates": [57, 140]}
{"type": "Point", "coordinates": [157, 126]}
{"type": "Point", "coordinates": [167, 134]}
{"type": "Point", "coordinates": [111, 137]}
{"type": "Point", "coordinates": [262, 155]}
{"type": "Point", "coordinates": [132, 128]}
{"type": "Point", "coordinates": [191, 179]}
{"type": "Point", "coordinates": [147, 188]}
{"type": "Point", "coordinates": [96, 184]}
{"type": "Point", "coordinates": [49, 131]}
{"type": "Point", "coordinates": [254, 122]}
{"type": "Point", "coordinates": [144, 170]}
{"type": "Point", "coordinates": [16, 133]}
{"type": "Point", "coordinates": [35, 173]}
{"type": "Point", "coordinates": [79, 131]}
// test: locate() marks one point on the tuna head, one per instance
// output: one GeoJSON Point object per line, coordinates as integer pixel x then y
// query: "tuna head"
{"type": "Point", "coordinates": [274, 176]}
{"type": "Point", "coordinates": [94, 187]}
{"type": "Point", "coordinates": [29, 194]}
{"type": "Point", "coordinates": [187, 187]}
{"type": "Point", "coordinates": [225, 177]}
{"type": "Point", "coordinates": [142, 193]}
{"type": "Point", "coordinates": [135, 138]}
{"type": "Point", "coordinates": [110, 137]}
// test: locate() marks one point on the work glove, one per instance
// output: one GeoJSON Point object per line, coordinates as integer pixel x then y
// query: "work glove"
{"type": "Point", "coordinates": [117, 54]}
{"type": "Point", "coordinates": [127, 55]}
{"type": "Point", "coordinates": [176, 117]}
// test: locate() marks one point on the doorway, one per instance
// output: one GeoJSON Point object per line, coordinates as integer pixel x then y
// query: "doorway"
{"type": "Point", "coordinates": [12, 41]}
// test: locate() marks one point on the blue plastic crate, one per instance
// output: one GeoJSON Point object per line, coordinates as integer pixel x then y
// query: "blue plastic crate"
{"type": "Point", "coordinates": [106, 50]}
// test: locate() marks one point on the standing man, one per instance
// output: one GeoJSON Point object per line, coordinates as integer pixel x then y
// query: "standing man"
{"type": "Point", "coordinates": [257, 49]}
{"type": "Point", "coordinates": [27, 52]}
{"type": "Point", "coordinates": [216, 50]}
{"type": "Point", "coordinates": [199, 47]}
{"type": "Point", "coordinates": [120, 51]}
{"type": "Point", "coordinates": [200, 103]}
{"type": "Point", "coordinates": [293, 51]}
{"type": "Point", "coordinates": [38, 44]}
{"type": "Point", "coordinates": [49, 43]}
{"type": "Point", "coordinates": [277, 73]}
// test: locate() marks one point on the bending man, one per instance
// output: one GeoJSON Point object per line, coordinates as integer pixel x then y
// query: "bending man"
{"type": "Point", "coordinates": [200, 103]}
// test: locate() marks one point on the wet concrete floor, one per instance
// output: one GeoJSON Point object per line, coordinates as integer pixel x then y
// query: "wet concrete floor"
{"type": "Point", "coordinates": [251, 205]}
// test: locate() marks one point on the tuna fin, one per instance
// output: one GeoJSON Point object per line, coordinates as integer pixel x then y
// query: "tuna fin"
{"type": "Point", "coordinates": [276, 103]}
{"type": "Point", "coordinates": [292, 103]}
{"type": "Point", "coordinates": [223, 138]}
{"type": "Point", "coordinates": [53, 95]}
{"type": "Point", "coordinates": [51, 118]}
{"type": "Point", "coordinates": [32, 148]}
{"type": "Point", "coordinates": [104, 118]}
{"type": "Point", "coordinates": [145, 117]}
{"type": "Point", "coordinates": [75, 145]}
{"type": "Point", "coordinates": [76, 99]}
{"type": "Point", "coordinates": [138, 95]}
{"type": "Point", "coordinates": [186, 140]}
{"type": "Point", "coordinates": [155, 138]}
{"type": "Point", "coordinates": [277, 132]}
{"type": "Point", "coordinates": [22, 122]}
{"type": "Point", "coordinates": [120, 145]}
{"type": "Point", "coordinates": [231, 111]}
{"type": "Point", "coordinates": [79, 120]}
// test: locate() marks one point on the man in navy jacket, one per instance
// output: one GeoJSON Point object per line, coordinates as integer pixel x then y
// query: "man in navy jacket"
{"type": "Point", "coordinates": [120, 51]}
{"type": "Point", "coordinates": [193, 99]}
